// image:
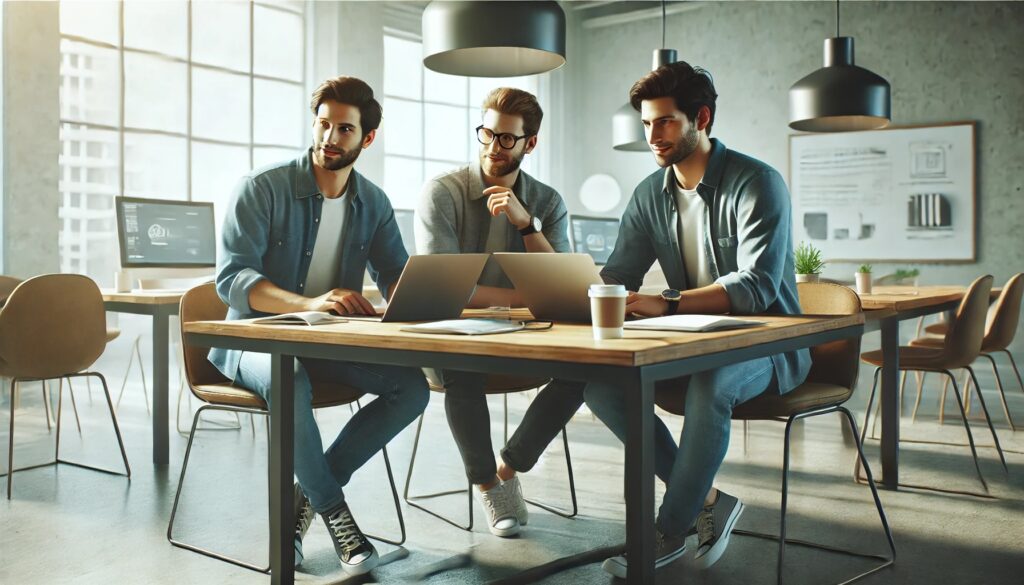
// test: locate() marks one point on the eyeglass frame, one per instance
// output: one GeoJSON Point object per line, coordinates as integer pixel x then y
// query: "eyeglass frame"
{"type": "Point", "coordinates": [497, 136]}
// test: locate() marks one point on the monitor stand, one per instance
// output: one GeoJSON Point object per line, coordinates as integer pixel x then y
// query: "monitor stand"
{"type": "Point", "coordinates": [161, 279]}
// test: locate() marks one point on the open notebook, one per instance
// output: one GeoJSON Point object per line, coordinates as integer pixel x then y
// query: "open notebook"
{"type": "Point", "coordinates": [466, 327]}
{"type": "Point", "coordinates": [694, 323]}
{"type": "Point", "coordinates": [301, 318]}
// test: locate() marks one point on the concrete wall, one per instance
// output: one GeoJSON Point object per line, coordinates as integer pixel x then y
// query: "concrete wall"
{"type": "Point", "coordinates": [946, 61]}
{"type": "Point", "coordinates": [31, 74]}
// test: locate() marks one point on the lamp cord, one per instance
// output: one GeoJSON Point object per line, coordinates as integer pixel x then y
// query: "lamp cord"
{"type": "Point", "coordinates": [837, 19]}
{"type": "Point", "coordinates": [663, 23]}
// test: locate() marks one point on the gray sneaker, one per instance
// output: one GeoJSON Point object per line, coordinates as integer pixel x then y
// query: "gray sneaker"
{"type": "Point", "coordinates": [501, 513]}
{"type": "Point", "coordinates": [303, 518]}
{"type": "Point", "coordinates": [666, 550]}
{"type": "Point", "coordinates": [714, 525]}
{"type": "Point", "coordinates": [514, 490]}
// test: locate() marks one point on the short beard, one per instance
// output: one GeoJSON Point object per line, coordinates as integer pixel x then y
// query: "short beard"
{"type": "Point", "coordinates": [347, 158]}
{"type": "Point", "coordinates": [502, 169]}
{"type": "Point", "coordinates": [684, 147]}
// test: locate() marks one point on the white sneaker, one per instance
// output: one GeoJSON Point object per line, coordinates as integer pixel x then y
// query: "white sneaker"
{"type": "Point", "coordinates": [501, 514]}
{"type": "Point", "coordinates": [514, 490]}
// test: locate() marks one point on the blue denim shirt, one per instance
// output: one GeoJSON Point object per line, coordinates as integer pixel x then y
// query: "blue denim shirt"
{"type": "Point", "coordinates": [748, 239]}
{"type": "Point", "coordinates": [270, 228]}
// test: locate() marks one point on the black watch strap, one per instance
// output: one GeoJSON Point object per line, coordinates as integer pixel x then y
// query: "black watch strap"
{"type": "Point", "coordinates": [672, 307]}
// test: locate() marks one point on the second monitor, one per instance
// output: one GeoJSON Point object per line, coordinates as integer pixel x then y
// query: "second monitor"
{"type": "Point", "coordinates": [595, 236]}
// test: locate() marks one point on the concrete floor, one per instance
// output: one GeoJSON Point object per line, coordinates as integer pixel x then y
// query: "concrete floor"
{"type": "Point", "coordinates": [68, 525]}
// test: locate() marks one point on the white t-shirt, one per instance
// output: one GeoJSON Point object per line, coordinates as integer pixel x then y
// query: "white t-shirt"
{"type": "Point", "coordinates": [326, 260]}
{"type": "Point", "coordinates": [690, 230]}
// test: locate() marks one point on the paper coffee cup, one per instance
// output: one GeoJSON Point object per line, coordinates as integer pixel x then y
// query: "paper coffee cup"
{"type": "Point", "coordinates": [122, 281]}
{"type": "Point", "coordinates": [607, 310]}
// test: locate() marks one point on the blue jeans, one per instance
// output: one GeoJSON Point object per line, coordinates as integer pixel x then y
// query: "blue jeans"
{"type": "Point", "coordinates": [402, 394]}
{"type": "Point", "coordinates": [689, 469]}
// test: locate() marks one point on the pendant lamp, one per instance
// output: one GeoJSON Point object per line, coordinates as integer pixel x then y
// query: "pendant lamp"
{"type": "Point", "coordinates": [627, 129]}
{"type": "Point", "coordinates": [840, 96]}
{"type": "Point", "coordinates": [493, 38]}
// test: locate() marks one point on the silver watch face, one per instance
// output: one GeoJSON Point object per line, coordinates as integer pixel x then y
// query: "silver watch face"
{"type": "Point", "coordinates": [536, 223]}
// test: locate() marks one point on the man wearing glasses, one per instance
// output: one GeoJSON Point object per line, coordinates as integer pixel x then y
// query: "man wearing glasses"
{"type": "Point", "coordinates": [493, 206]}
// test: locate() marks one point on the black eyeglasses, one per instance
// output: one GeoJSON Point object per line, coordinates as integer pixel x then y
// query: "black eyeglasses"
{"type": "Point", "coordinates": [506, 140]}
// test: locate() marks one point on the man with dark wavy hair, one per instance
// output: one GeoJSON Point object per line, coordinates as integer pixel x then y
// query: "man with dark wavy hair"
{"type": "Point", "coordinates": [718, 222]}
{"type": "Point", "coordinates": [298, 236]}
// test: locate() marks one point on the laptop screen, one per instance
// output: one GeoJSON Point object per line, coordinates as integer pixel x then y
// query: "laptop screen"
{"type": "Point", "coordinates": [165, 233]}
{"type": "Point", "coordinates": [595, 236]}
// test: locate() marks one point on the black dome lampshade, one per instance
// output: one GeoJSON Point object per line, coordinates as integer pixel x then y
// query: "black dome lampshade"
{"type": "Point", "coordinates": [840, 97]}
{"type": "Point", "coordinates": [627, 129]}
{"type": "Point", "coordinates": [493, 38]}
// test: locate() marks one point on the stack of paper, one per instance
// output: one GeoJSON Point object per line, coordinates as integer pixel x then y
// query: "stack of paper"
{"type": "Point", "coordinates": [466, 327]}
{"type": "Point", "coordinates": [301, 318]}
{"type": "Point", "coordinates": [692, 323]}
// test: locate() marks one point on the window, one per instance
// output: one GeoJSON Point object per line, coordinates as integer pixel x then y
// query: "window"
{"type": "Point", "coordinates": [170, 99]}
{"type": "Point", "coordinates": [429, 118]}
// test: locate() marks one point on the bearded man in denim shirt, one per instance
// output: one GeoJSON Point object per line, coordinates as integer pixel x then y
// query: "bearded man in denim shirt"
{"type": "Point", "coordinates": [718, 222]}
{"type": "Point", "coordinates": [298, 236]}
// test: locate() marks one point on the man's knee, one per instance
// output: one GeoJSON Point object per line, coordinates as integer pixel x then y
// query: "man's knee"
{"type": "Point", "coordinates": [598, 396]}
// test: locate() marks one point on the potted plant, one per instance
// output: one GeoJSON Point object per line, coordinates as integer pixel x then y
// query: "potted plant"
{"type": "Point", "coordinates": [863, 277]}
{"type": "Point", "coordinates": [808, 263]}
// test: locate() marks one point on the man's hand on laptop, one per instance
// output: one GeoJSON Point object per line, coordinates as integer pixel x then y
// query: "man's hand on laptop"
{"type": "Point", "coordinates": [343, 302]}
{"type": "Point", "coordinates": [645, 305]}
{"type": "Point", "coordinates": [503, 200]}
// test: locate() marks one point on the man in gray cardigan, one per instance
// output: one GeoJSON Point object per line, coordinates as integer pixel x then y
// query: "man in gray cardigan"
{"type": "Point", "coordinates": [492, 206]}
{"type": "Point", "coordinates": [718, 222]}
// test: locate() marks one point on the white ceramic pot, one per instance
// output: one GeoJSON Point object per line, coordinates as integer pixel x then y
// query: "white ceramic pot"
{"type": "Point", "coordinates": [807, 277]}
{"type": "Point", "coordinates": [863, 282]}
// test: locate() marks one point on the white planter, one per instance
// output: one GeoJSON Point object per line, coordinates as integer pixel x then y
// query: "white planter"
{"type": "Point", "coordinates": [807, 277]}
{"type": "Point", "coordinates": [863, 282]}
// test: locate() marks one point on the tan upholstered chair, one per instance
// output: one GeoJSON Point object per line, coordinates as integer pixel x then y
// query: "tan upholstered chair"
{"type": "Point", "coordinates": [961, 347]}
{"type": "Point", "coordinates": [201, 303]}
{"type": "Point", "coordinates": [496, 384]}
{"type": "Point", "coordinates": [830, 382]}
{"type": "Point", "coordinates": [1000, 329]}
{"type": "Point", "coordinates": [52, 327]}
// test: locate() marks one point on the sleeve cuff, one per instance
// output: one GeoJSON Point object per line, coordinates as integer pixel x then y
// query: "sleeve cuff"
{"type": "Point", "coordinates": [243, 282]}
{"type": "Point", "coordinates": [740, 300]}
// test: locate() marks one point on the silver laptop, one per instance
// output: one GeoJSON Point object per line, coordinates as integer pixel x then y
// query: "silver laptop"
{"type": "Point", "coordinates": [554, 286]}
{"type": "Point", "coordinates": [432, 288]}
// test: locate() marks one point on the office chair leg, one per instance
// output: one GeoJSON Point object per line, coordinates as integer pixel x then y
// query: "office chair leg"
{"type": "Point", "coordinates": [398, 504]}
{"type": "Point", "coordinates": [917, 401]}
{"type": "Point", "coordinates": [967, 427]}
{"type": "Point", "coordinates": [942, 400]}
{"type": "Point", "coordinates": [74, 407]}
{"type": "Point", "coordinates": [113, 419]}
{"type": "Point", "coordinates": [988, 419]}
{"type": "Point", "coordinates": [411, 500]}
{"type": "Point", "coordinates": [967, 385]}
{"type": "Point", "coordinates": [1002, 393]}
{"type": "Point", "coordinates": [46, 404]}
{"type": "Point", "coordinates": [1015, 369]}
{"type": "Point", "coordinates": [10, 439]}
{"type": "Point", "coordinates": [867, 415]}
{"type": "Point", "coordinates": [572, 486]}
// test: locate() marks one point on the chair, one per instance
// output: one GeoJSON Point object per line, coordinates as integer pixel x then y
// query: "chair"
{"type": "Point", "coordinates": [1000, 329]}
{"type": "Point", "coordinates": [959, 349]}
{"type": "Point", "coordinates": [495, 384]}
{"type": "Point", "coordinates": [830, 383]}
{"type": "Point", "coordinates": [53, 327]}
{"type": "Point", "coordinates": [201, 303]}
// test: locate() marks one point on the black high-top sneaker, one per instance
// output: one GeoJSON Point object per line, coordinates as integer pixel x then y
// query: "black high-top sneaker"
{"type": "Point", "coordinates": [355, 551]}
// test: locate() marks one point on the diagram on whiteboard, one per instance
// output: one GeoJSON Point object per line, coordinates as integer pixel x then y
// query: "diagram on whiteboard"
{"type": "Point", "coordinates": [900, 194]}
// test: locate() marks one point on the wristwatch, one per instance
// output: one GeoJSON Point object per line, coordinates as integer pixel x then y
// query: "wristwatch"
{"type": "Point", "coordinates": [672, 296]}
{"type": "Point", "coordinates": [532, 228]}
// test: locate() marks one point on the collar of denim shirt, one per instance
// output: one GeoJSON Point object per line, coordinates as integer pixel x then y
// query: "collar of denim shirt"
{"type": "Point", "coordinates": [708, 185]}
{"type": "Point", "coordinates": [305, 180]}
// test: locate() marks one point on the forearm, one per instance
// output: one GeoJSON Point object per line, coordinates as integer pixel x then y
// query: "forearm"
{"type": "Point", "coordinates": [267, 297]}
{"type": "Point", "coordinates": [493, 296]}
{"type": "Point", "coordinates": [707, 300]}
{"type": "Point", "coordinates": [536, 242]}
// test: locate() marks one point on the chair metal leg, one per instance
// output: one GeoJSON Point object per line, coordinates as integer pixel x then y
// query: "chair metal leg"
{"type": "Point", "coordinates": [46, 404]}
{"type": "Point", "coordinates": [917, 401]}
{"type": "Point", "coordinates": [74, 407]}
{"type": "Point", "coordinates": [988, 419]}
{"type": "Point", "coordinates": [113, 419]}
{"type": "Point", "coordinates": [398, 504]}
{"type": "Point", "coordinates": [10, 439]}
{"type": "Point", "coordinates": [867, 416]}
{"type": "Point", "coordinates": [967, 427]}
{"type": "Point", "coordinates": [1002, 393]}
{"type": "Point", "coordinates": [572, 486]}
{"type": "Point", "coordinates": [1015, 369]}
{"type": "Point", "coordinates": [411, 500]}
{"type": "Point", "coordinates": [942, 400]}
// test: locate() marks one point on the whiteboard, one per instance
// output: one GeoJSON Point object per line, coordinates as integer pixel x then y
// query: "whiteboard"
{"type": "Point", "coordinates": [901, 194]}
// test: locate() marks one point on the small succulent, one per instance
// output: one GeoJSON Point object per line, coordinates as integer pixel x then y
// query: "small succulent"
{"type": "Point", "coordinates": [864, 268]}
{"type": "Point", "coordinates": [906, 274]}
{"type": "Point", "coordinates": [808, 259]}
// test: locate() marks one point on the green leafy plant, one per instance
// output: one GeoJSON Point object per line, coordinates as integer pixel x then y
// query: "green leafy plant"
{"type": "Point", "coordinates": [865, 268]}
{"type": "Point", "coordinates": [906, 274]}
{"type": "Point", "coordinates": [808, 259]}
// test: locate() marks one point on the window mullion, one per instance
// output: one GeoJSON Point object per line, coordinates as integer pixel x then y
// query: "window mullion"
{"type": "Point", "coordinates": [188, 104]}
{"type": "Point", "coordinates": [252, 83]}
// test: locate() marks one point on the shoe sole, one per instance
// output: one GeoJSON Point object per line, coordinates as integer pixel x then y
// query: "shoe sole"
{"type": "Point", "coordinates": [505, 532]}
{"type": "Point", "coordinates": [363, 567]}
{"type": "Point", "coordinates": [715, 552]}
{"type": "Point", "coordinates": [614, 567]}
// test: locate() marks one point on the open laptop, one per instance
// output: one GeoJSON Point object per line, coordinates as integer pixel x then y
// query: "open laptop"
{"type": "Point", "coordinates": [432, 288]}
{"type": "Point", "coordinates": [554, 286]}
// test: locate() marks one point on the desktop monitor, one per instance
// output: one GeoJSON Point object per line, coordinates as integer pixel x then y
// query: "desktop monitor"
{"type": "Point", "coordinates": [595, 236]}
{"type": "Point", "coordinates": [405, 218]}
{"type": "Point", "coordinates": [158, 233]}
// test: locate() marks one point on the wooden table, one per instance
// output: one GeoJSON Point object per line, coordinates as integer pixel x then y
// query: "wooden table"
{"type": "Point", "coordinates": [884, 308]}
{"type": "Point", "coordinates": [565, 351]}
{"type": "Point", "coordinates": [160, 306]}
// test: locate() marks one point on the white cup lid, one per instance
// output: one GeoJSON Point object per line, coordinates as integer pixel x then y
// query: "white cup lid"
{"type": "Point", "coordinates": [607, 290]}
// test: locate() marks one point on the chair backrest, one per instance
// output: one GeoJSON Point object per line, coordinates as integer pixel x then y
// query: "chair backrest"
{"type": "Point", "coordinates": [7, 286]}
{"type": "Point", "coordinates": [967, 327]}
{"type": "Point", "coordinates": [200, 303]}
{"type": "Point", "coordinates": [835, 362]}
{"type": "Point", "coordinates": [1004, 315]}
{"type": "Point", "coordinates": [51, 326]}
